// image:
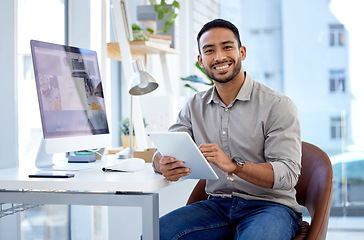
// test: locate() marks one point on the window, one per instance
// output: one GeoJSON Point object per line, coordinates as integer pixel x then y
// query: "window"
{"type": "Point", "coordinates": [336, 35]}
{"type": "Point", "coordinates": [41, 20]}
{"type": "Point", "coordinates": [254, 31]}
{"type": "Point", "coordinates": [269, 76]}
{"type": "Point", "coordinates": [336, 128]}
{"type": "Point", "coordinates": [27, 67]}
{"type": "Point", "coordinates": [337, 81]}
{"type": "Point", "coordinates": [268, 31]}
{"type": "Point", "coordinates": [32, 25]}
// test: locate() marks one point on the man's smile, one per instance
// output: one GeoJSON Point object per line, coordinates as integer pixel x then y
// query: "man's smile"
{"type": "Point", "coordinates": [222, 67]}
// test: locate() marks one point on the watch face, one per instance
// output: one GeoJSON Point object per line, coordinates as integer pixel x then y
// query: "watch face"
{"type": "Point", "coordinates": [239, 160]}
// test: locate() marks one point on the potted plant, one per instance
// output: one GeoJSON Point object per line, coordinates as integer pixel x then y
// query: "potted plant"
{"type": "Point", "coordinates": [124, 131]}
{"type": "Point", "coordinates": [197, 79]}
{"type": "Point", "coordinates": [162, 13]}
{"type": "Point", "coordinates": [138, 34]}
{"type": "Point", "coordinates": [166, 13]}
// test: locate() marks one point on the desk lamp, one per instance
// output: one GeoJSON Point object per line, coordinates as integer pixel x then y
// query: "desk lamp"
{"type": "Point", "coordinates": [141, 83]}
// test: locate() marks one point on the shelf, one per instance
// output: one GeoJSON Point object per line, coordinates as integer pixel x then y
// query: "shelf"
{"type": "Point", "coordinates": [139, 49]}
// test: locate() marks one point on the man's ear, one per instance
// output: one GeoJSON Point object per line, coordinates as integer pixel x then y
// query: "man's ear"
{"type": "Point", "coordinates": [242, 53]}
{"type": "Point", "coordinates": [199, 59]}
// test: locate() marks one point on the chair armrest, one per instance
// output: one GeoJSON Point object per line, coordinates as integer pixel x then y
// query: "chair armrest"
{"type": "Point", "coordinates": [198, 193]}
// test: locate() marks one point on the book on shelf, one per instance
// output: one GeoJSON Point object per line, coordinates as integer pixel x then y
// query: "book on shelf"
{"type": "Point", "coordinates": [160, 40]}
{"type": "Point", "coordinates": [159, 36]}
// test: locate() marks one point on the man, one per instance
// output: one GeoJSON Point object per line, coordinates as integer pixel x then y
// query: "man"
{"type": "Point", "coordinates": [251, 135]}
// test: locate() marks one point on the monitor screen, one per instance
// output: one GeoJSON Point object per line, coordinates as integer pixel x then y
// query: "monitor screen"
{"type": "Point", "coordinates": [71, 98]}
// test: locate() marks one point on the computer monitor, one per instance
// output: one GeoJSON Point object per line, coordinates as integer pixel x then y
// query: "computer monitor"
{"type": "Point", "coordinates": [71, 101]}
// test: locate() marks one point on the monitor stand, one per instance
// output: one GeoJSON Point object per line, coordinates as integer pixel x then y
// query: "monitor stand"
{"type": "Point", "coordinates": [44, 161]}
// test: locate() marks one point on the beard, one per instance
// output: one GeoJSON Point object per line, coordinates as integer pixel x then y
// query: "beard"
{"type": "Point", "coordinates": [226, 79]}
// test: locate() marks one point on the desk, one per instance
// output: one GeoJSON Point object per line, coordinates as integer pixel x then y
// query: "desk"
{"type": "Point", "coordinates": [89, 187]}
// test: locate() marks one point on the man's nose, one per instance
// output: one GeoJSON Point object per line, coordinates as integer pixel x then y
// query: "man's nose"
{"type": "Point", "coordinates": [220, 55]}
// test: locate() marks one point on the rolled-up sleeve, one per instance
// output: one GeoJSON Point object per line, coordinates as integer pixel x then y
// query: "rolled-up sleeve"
{"type": "Point", "coordinates": [283, 144]}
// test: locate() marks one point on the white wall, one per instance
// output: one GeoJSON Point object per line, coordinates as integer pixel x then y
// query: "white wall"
{"type": "Point", "coordinates": [8, 79]}
{"type": "Point", "coordinates": [9, 227]}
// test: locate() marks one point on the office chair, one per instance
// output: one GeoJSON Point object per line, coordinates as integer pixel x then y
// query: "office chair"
{"type": "Point", "coordinates": [314, 191]}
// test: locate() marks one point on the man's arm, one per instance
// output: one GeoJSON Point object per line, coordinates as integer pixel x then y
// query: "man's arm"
{"type": "Point", "coordinates": [282, 147]}
{"type": "Point", "coordinates": [260, 174]}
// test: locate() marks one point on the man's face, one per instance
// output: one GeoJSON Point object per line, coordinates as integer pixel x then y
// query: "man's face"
{"type": "Point", "coordinates": [220, 54]}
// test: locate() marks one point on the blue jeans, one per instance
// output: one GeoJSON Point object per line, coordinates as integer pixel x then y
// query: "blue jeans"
{"type": "Point", "coordinates": [229, 218]}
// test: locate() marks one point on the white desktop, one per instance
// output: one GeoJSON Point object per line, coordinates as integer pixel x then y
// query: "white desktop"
{"type": "Point", "coordinates": [90, 187]}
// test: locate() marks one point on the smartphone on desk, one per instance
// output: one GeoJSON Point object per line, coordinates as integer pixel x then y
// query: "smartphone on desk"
{"type": "Point", "coordinates": [51, 175]}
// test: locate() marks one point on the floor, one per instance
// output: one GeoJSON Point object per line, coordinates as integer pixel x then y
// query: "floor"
{"type": "Point", "coordinates": [348, 228]}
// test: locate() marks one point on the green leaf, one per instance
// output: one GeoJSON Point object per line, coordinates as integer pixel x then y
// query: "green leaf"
{"type": "Point", "coordinates": [166, 11]}
{"type": "Point", "coordinates": [150, 30]}
{"type": "Point", "coordinates": [197, 64]}
{"type": "Point", "coordinates": [172, 17]}
{"type": "Point", "coordinates": [167, 26]}
{"type": "Point", "coordinates": [135, 26]}
{"type": "Point", "coordinates": [160, 15]}
{"type": "Point", "coordinates": [204, 72]}
{"type": "Point", "coordinates": [192, 88]}
{"type": "Point", "coordinates": [196, 79]}
{"type": "Point", "coordinates": [175, 4]}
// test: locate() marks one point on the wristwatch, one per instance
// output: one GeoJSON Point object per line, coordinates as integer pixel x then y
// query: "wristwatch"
{"type": "Point", "coordinates": [240, 162]}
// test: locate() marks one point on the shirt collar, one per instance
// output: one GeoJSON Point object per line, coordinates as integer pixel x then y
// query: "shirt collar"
{"type": "Point", "coordinates": [245, 91]}
{"type": "Point", "coordinates": [243, 95]}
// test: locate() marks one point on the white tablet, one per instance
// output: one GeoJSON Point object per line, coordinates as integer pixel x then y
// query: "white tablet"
{"type": "Point", "coordinates": [181, 146]}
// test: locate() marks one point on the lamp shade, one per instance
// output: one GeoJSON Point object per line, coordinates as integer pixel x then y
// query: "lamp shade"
{"type": "Point", "coordinates": [142, 82]}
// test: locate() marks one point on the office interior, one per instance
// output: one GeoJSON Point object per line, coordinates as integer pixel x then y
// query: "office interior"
{"type": "Point", "coordinates": [313, 58]}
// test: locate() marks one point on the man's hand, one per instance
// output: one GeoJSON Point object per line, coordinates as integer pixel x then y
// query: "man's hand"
{"type": "Point", "coordinates": [171, 169]}
{"type": "Point", "coordinates": [213, 153]}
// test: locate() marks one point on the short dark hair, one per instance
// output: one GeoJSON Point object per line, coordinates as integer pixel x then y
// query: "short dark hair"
{"type": "Point", "coordinates": [216, 24]}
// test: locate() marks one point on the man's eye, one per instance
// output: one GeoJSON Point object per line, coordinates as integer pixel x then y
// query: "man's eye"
{"type": "Point", "coordinates": [208, 51]}
{"type": "Point", "coordinates": [228, 47]}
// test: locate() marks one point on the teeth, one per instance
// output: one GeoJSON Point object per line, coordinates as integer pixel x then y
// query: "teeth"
{"type": "Point", "coordinates": [222, 67]}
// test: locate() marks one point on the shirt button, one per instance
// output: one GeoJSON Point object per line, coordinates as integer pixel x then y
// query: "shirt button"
{"type": "Point", "coordinates": [226, 109]}
{"type": "Point", "coordinates": [223, 132]}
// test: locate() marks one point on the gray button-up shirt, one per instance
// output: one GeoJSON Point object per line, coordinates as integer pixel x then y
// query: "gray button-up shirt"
{"type": "Point", "coordinates": [260, 125]}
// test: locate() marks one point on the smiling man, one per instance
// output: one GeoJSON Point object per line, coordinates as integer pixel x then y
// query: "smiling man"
{"type": "Point", "coordinates": [229, 66]}
{"type": "Point", "coordinates": [250, 134]}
